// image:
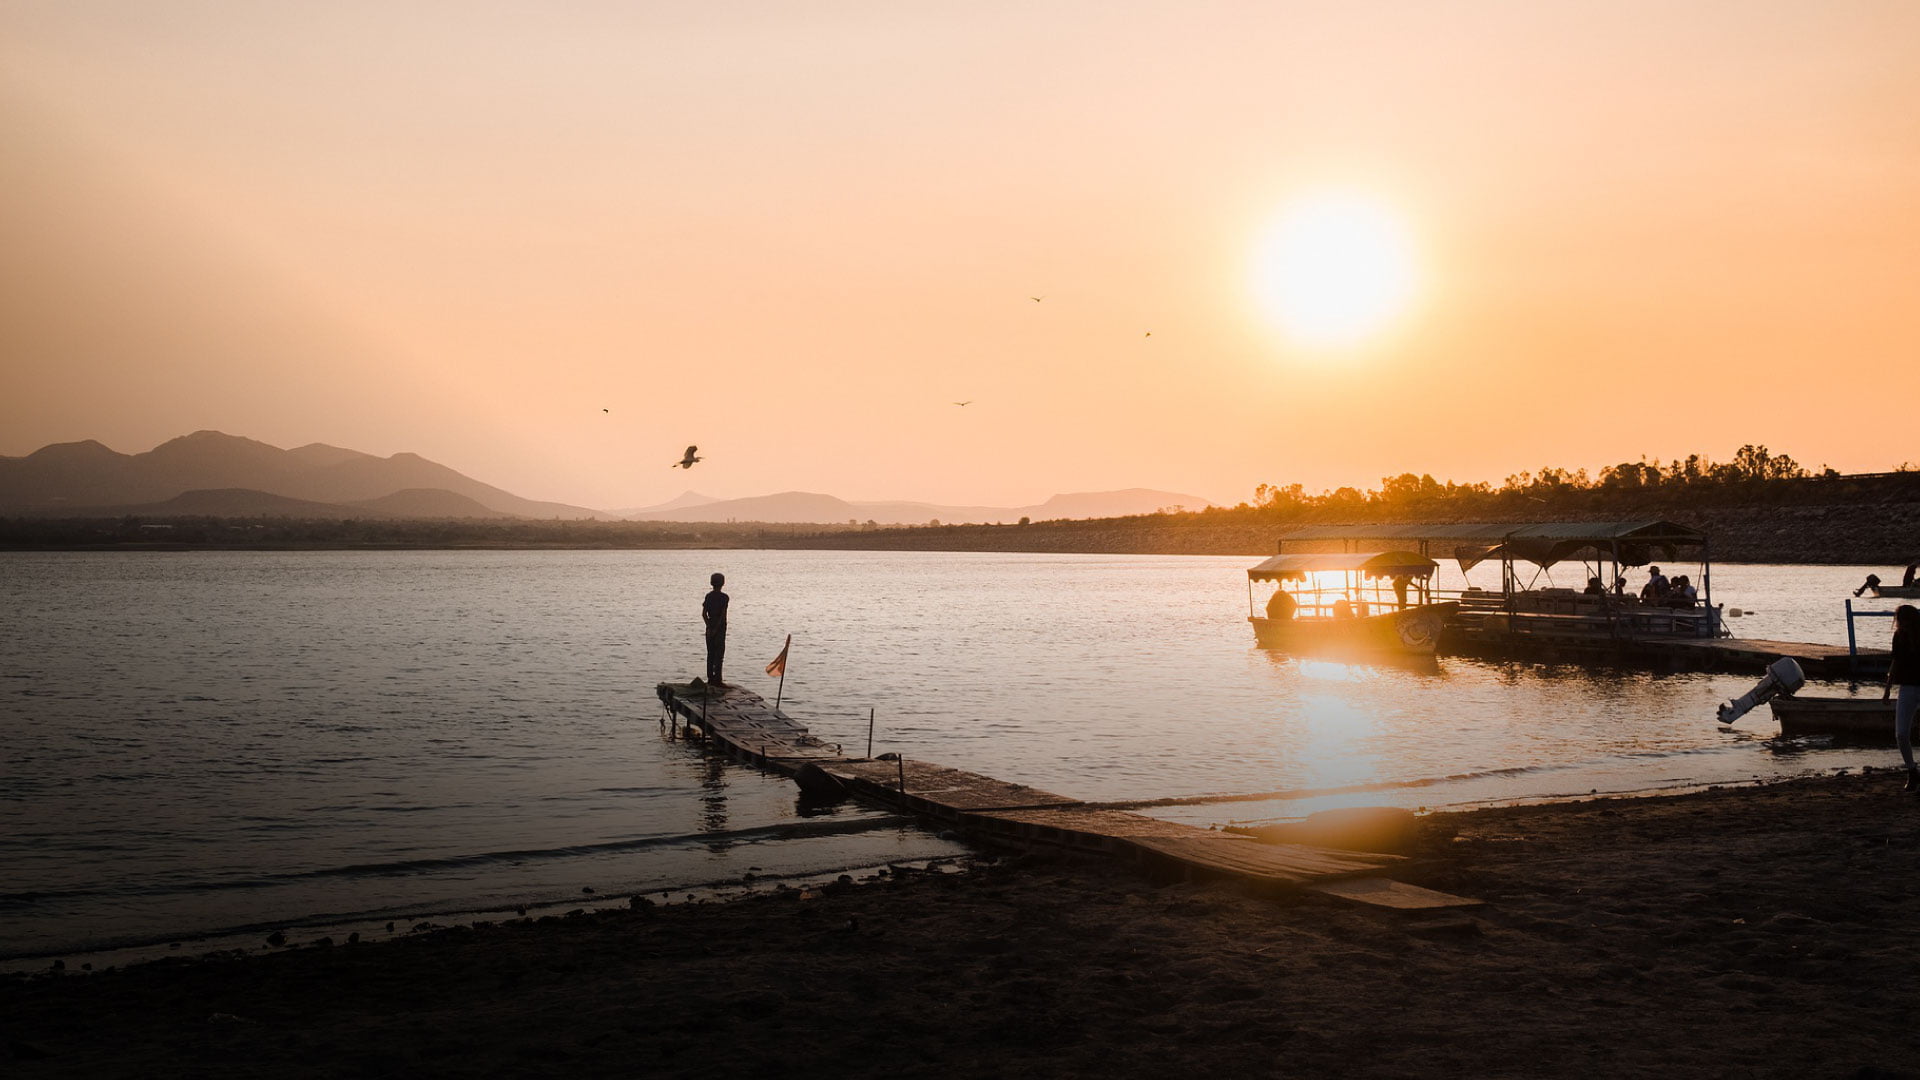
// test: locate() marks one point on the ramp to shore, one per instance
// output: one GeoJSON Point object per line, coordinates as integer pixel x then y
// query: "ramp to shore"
{"type": "Point", "coordinates": [754, 731]}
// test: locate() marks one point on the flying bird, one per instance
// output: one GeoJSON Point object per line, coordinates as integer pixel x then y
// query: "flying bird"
{"type": "Point", "coordinates": [967, 402]}
{"type": "Point", "coordinates": [1035, 299]}
{"type": "Point", "coordinates": [1149, 333]}
{"type": "Point", "coordinates": [686, 461]}
{"type": "Point", "coordinates": [605, 410]}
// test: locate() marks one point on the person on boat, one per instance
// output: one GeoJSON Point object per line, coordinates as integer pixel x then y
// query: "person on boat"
{"type": "Point", "coordinates": [1681, 593]}
{"type": "Point", "coordinates": [1656, 587]}
{"type": "Point", "coordinates": [1280, 605]}
{"type": "Point", "coordinates": [713, 612]}
{"type": "Point", "coordinates": [1906, 579]}
{"type": "Point", "coordinates": [1903, 670]}
{"type": "Point", "coordinates": [1343, 608]}
{"type": "Point", "coordinates": [1594, 588]}
{"type": "Point", "coordinates": [1872, 583]}
{"type": "Point", "coordinates": [1400, 583]}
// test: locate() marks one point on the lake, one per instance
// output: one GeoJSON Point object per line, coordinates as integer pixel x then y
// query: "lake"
{"type": "Point", "coordinates": [207, 742]}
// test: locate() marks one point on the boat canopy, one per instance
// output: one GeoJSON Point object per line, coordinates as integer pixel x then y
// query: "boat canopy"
{"type": "Point", "coordinates": [1542, 543]}
{"type": "Point", "coordinates": [1369, 563]}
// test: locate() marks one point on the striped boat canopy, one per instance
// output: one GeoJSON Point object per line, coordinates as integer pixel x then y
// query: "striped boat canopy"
{"type": "Point", "coordinates": [1369, 563]}
{"type": "Point", "coordinates": [1541, 542]}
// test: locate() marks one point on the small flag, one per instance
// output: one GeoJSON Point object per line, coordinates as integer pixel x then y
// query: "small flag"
{"type": "Point", "coordinates": [778, 668]}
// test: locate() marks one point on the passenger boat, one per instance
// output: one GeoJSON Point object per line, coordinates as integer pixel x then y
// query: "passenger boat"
{"type": "Point", "coordinates": [1863, 718]}
{"type": "Point", "coordinates": [1524, 616]}
{"type": "Point", "coordinates": [1349, 602]}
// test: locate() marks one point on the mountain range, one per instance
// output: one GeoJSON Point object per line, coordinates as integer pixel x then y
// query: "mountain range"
{"type": "Point", "coordinates": [212, 474]}
{"type": "Point", "coordinates": [222, 475]}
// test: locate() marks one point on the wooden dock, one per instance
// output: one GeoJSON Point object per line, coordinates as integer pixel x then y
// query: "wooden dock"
{"type": "Point", "coordinates": [1754, 654]}
{"type": "Point", "coordinates": [750, 729]}
{"type": "Point", "coordinates": [1540, 641]}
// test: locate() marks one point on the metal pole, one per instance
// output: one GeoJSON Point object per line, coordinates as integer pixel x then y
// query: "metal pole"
{"type": "Point", "coordinates": [869, 734]}
{"type": "Point", "coordinates": [901, 761]}
{"type": "Point", "coordinates": [1853, 648]}
{"type": "Point", "coordinates": [782, 690]}
{"type": "Point", "coordinates": [1706, 585]}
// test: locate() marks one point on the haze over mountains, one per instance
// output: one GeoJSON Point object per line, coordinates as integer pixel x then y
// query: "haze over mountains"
{"type": "Point", "coordinates": [213, 474]}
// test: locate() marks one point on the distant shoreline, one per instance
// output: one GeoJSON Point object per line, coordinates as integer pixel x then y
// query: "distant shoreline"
{"type": "Point", "coordinates": [1882, 534]}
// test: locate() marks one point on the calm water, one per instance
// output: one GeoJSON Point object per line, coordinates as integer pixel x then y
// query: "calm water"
{"type": "Point", "coordinates": [196, 742]}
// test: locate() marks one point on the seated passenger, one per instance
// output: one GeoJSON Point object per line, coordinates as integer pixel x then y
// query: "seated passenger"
{"type": "Point", "coordinates": [1871, 584]}
{"type": "Point", "coordinates": [1594, 588]}
{"type": "Point", "coordinates": [1683, 594]}
{"type": "Point", "coordinates": [1906, 579]}
{"type": "Point", "coordinates": [1342, 609]}
{"type": "Point", "coordinates": [1280, 605]}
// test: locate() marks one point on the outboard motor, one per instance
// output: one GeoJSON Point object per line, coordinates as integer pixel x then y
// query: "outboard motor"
{"type": "Point", "coordinates": [1783, 677]}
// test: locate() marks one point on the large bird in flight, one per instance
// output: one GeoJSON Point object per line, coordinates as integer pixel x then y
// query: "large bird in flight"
{"type": "Point", "coordinates": [686, 462]}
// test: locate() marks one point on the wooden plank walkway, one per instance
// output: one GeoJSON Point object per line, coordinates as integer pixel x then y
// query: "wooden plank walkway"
{"type": "Point", "coordinates": [1756, 653]}
{"type": "Point", "coordinates": [1540, 641]}
{"type": "Point", "coordinates": [755, 731]}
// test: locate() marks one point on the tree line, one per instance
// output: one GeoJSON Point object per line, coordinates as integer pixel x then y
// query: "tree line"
{"type": "Point", "coordinates": [1753, 475]}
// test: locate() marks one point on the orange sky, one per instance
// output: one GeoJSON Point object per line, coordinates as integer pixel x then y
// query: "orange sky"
{"type": "Point", "coordinates": [793, 234]}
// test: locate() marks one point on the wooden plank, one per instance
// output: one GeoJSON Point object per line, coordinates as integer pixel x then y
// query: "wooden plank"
{"type": "Point", "coordinates": [1114, 823]}
{"type": "Point", "coordinates": [1388, 893]}
{"type": "Point", "coordinates": [1240, 856]}
{"type": "Point", "coordinates": [742, 721]}
{"type": "Point", "coordinates": [955, 789]}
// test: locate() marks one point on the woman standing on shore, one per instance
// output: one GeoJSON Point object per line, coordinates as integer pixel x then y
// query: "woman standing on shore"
{"type": "Point", "coordinates": [1903, 670]}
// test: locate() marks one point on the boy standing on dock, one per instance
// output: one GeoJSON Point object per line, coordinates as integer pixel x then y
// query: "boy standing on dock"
{"type": "Point", "coordinates": [713, 612]}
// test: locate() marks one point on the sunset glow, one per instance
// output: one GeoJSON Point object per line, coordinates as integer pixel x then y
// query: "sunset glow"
{"type": "Point", "coordinates": [1334, 269]}
{"type": "Point", "coordinates": [548, 245]}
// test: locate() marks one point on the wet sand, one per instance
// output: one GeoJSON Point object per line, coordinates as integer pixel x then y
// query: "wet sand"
{"type": "Point", "coordinates": [1744, 932]}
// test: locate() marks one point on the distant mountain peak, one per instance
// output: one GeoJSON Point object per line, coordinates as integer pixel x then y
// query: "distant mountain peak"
{"type": "Point", "coordinates": [85, 448]}
{"type": "Point", "coordinates": [245, 473]}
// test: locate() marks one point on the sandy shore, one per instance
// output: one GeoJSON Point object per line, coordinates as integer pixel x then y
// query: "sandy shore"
{"type": "Point", "coordinates": [1753, 932]}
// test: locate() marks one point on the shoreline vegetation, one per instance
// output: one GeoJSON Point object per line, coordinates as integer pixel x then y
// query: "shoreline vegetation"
{"type": "Point", "coordinates": [1756, 930]}
{"type": "Point", "coordinates": [1761, 509]}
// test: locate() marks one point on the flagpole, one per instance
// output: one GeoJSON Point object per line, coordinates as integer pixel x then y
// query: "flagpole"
{"type": "Point", "coordinates": [781, 663]}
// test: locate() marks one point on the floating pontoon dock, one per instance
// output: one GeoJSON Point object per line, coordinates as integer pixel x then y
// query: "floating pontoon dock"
{"type": "Point", "coordinates": [746, 726]}
{"type": "Point", "coordinates": [1520, 618]}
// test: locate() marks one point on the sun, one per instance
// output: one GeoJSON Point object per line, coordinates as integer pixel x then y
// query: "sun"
{"type": "Point", "coordinates": [1334, 269]}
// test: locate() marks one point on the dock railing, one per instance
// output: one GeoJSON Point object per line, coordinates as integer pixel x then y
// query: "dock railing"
{"type": "Point", "coordinates": [1853, 643]}
{"type": "Point", "coordinates": [1598, 614]}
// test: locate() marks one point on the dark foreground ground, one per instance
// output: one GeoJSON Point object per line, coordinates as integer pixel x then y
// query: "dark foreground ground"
{"type": "Point", "coordinates": [1759, 932]}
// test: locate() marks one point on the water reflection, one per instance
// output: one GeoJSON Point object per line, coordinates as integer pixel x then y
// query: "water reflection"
{"type": "Point", "coordinates": [522, 675]}
{"type": "Point", "coordinates": [1355, 670]}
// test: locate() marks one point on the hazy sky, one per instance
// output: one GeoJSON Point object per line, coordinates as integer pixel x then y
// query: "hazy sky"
{"type": "Point", "coordinates": [795, 233]}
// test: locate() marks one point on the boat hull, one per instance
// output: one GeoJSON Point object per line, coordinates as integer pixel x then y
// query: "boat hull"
{"type": "Point", "coordinates": [1898, 592]}
{"type": "Point", "coordinates": [1865, 719]}
{"type": "Point", "coordinates": [1413, 631]}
